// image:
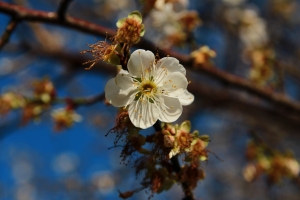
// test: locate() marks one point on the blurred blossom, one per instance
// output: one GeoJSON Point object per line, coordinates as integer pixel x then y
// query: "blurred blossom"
{"type": "Point", "coordinates": [111, 8]}
{"type": "Point", "coordinates": [22, 171]}
{"type": "Point", "coordinates": [253, 30]}
{"type": "Point", "coordinates": [66, 162]}
{"type": "Point", "coordinates": [233, 2]}
{"type": "Point", "coordinates": [262, 66]}
{"type": "Point", "coordinates": [178, 5]}
{"type": "Point", "coordinates": [285, 8]}
{"type": "Point", "coordinates": [172, 22]}
{"type": "Point", "coordinates": [165, 19]}
{"type": "Point", "coordinates": [232, 15]}
{"type": "Point", "coordinates": [104, 181]}
{"type": "Point", "coordinates": [250, 172]}
{"type": "Point", "coordinates": [64, 118]}
{"type": "Point", "coordinates": [203, 56]}
{"type": "Point", "coordinates": [116, 4]}
{"type": "Point", "coordinates": [292, 166]}
{"type": "Point", "coordinates": [25, 192]}
{"type": "Point", "coordinates": [9, 101]}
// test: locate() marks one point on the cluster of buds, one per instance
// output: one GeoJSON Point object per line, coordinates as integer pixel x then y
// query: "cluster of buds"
{"type": "Point", "coordinates": [273, 164]}
{"type": "Point", "coordinates": [179, 140]}
{"type": "Point", "coordinates": [64, 118]}
{"type": "Point", "coordinates": [44, 94]}
{"type": "Point", "coordinates": [44, 91]}
{"type": "Point", "coordinates": [203, 56]}
{"type": "Point", "coordinates": [262, 66]}
{"type": "Point", "coordinates": [130, 29]}
{"type": "Point", "coordinates": [10, 101]}
{"type": "Point", "coordinates": [32, 111]}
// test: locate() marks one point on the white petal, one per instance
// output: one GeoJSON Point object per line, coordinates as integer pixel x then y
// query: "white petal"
{"type": "Point", "coordinates": [143, 114]}
{"type": "Point", "coordinates": [116, 96]}
{"type": "Point", "coordinates": [186, 98]}
{"type": "Point", "coordinates": [174, 84]}
{"type": "Point", "coordinates": [139, 61]}
{"type": "Point", "coordinates": [171, 64]}
{"type": "Point", "coordinates": [124, 81]}
{"type": "Point", "coordinates": [170, 109]}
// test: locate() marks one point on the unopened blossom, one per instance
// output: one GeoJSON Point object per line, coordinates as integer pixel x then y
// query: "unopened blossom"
{"type": "Point", "coordinates": [262, 66]}
{"type": "Point", "coordinates": [64, 118]}
{"type": "Point", "coordinates": [150, 90]}
{"type": "Point", "coordinates": [253, 30]}
{"type": "Point", "coordinates": [130, 28]}
{"type": "Point", "coordinates": [44, 90]}
{"type": "Point", "coordinates": [203, 55]}
{"type": "Point", "coordinates": [9, 101]}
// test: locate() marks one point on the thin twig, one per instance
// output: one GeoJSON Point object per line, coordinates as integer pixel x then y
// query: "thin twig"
{"type": "Point", "coordinates": [279, 100]}
{"type": "Point", "coordinates": [62, 8]}
{"type": "Point", "coordinates": [8, 31]}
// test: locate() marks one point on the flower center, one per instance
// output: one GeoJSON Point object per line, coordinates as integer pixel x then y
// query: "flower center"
{"type": "Point", "coordinates": [148, 88]}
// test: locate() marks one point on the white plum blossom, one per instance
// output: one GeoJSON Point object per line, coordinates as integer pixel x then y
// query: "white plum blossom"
{"type": "Point", "coordinates": [150, 90]}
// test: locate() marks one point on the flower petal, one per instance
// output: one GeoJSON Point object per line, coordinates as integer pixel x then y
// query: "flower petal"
{"type": "Point", "coordinates": [186, 98]}
{"type": "Point", "coordinates": [139, 61]}
{"type": "Point", "coordinates": [143, 114]}
{"type": "Point", "coordinates": [124, 81]}
{"type": "Point", "coordinates": [116, 96]}
{"type": "Point", "coordinates": [171, 64]}
{"type": "Point", "coordinates": [173, 84]}
{"type": "Point", "coordinates": [170, 109]}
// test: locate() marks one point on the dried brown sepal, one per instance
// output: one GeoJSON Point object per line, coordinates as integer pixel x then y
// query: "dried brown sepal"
{"type": "Point", "coordinates": [191, 174]}
{"type": "Point", "coordinates": [103, 51]}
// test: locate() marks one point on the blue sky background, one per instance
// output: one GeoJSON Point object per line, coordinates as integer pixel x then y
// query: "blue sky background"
{"type": "Point", "coordinates": [38, 163]}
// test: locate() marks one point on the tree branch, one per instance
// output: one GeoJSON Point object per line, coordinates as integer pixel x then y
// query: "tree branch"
{"type": "Point", "coordinates": [276, 99]}
{"type": "Point", "coordinates": [8, 31]}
